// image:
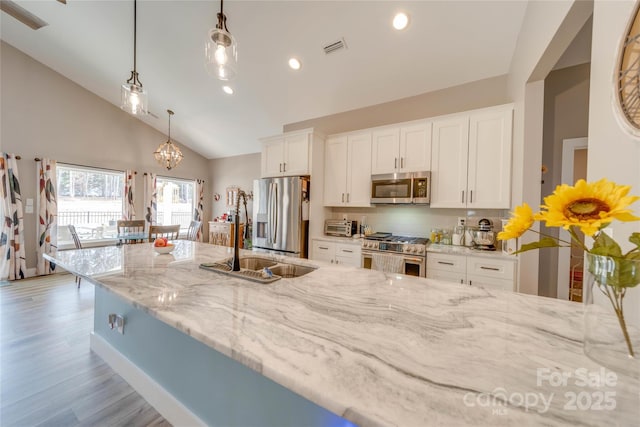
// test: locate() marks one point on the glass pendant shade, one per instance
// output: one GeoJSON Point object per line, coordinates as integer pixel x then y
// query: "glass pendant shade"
{"type": "Point", "coordinates": [221, 54]}
{"type": "Point", "coordinates": [133, 99]}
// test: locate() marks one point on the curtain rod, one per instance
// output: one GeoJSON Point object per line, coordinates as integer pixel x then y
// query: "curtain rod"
{"type": "Point", "coordinates": [173, 177]}
{"type": "Point", "coordinates": [37, 159]}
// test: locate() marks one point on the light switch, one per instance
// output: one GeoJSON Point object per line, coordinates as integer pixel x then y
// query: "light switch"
{"type": "Point", "coordinates": [28, 208]}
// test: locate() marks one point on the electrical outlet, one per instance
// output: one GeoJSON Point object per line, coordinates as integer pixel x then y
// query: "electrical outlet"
{"type": "Point", "coordinates": [462, 221]}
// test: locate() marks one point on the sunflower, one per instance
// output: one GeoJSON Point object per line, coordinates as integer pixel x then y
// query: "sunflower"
{"type": "Point", "coordinates": [589, 206]}
{"type": "Point", "coordinates": [521, 220]}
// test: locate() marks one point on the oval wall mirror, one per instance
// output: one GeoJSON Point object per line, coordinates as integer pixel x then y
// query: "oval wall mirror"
{"type": "Point", "coordinates": [627, 76]}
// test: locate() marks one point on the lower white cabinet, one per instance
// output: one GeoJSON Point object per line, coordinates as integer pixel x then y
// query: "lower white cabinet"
{"type": "Point", "coordinates": [336, 252]}
{"type": "Point", "coordinates": [472, 270]}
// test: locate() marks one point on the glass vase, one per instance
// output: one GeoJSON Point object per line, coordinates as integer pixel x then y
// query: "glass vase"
{"type": "Point", "coordinates": [611, 336]}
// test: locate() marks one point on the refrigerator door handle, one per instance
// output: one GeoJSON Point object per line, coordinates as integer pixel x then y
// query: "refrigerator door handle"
{"type": "Point", "coordinates": [270, 213]}
{"type": "Point", "coordinates": [275, 212]}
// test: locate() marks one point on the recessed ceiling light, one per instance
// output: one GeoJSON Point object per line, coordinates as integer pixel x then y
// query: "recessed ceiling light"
{"type": "Point", "coordinates": [294, 63]}
{"type": "Point", "coordinates": [227, 89]}
{"type": "Point", "coordinates": [400, 21]}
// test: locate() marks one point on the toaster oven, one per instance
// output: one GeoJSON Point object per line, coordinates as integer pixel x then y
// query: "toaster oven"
{"type": "Point", "coordinates": [340, 227]}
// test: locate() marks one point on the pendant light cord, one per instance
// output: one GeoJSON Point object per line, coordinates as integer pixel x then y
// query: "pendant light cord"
{"type": "Point", "coordinates": [222, 20]}
{"type": "Point", "coordinates": [135, 32]}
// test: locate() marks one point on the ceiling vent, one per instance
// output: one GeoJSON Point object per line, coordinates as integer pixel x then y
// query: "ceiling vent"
{"type": "Point", "coordinates": [336, 45]}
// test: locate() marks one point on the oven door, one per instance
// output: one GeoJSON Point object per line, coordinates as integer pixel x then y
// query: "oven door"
{"type": "Point", "coordinates": [392, 188]}
{"type": "Point", "coordinates": [412, 265]}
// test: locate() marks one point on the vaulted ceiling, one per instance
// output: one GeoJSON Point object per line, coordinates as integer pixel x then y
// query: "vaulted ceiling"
{"type": "Point", "coordinates": [447, 43]}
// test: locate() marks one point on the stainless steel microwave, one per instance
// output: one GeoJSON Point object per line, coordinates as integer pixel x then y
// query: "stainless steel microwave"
{"type": "Point", "coordinates": [398, 188]}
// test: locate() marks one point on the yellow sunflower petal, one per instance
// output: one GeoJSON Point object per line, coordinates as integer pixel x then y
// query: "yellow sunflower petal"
{"type": "Point", "coordinates": [588, 206]}
{"type": "Point", "coordinates": [521, 220]}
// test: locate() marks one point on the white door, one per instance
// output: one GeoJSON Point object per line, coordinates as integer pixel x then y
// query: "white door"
{"type": "Point", "coordinates": [335, 171]}
{"type": "Point", "coordinates": [415, 147]}
{"type": "Point", "coordinates": [570, 174]}
{"type": "Point", "coordinates": [385, 155]}
{"type": "Point", "coordinates": [296, 154]}
{"type": "Point", "coordinates": [359, 170]}
{"type": "Point", "coordinates": [489, 174]}
{"type": "Point", "coordinates": [449, 162]}
{"type": "Point", "coordinates": [272, 157]}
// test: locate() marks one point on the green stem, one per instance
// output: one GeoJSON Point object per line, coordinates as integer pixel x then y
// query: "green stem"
{"type": "Point", "coordinates": [618, 308]}
{"type": "Point", "coordinates": [549, 235]}
{"type": "Point", "coordinates": [575, 238]}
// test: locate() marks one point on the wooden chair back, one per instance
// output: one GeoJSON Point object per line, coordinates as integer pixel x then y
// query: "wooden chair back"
{"type": "Point", "coordinates": [192, 234]}
{"type": "Point", "coordinates": [135, 226]}
{"type": "Point", "coordinates": [169, 231]}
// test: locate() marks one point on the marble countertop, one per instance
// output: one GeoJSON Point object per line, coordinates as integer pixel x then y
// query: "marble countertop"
{"type": "Point", "coordinates": [463, 250]}
{"type": "Point", "coordinates": [378, 349]}
{"type": "Point", "coordinates": [357, 241]}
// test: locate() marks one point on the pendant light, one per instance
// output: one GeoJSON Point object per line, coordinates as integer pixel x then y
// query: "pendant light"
{"type": "Point", "coordinates": [221, 50]}
{"type": "Point", "coordinates": [133, 96]}
{"type": "Point", "coordinates": [168, 154]}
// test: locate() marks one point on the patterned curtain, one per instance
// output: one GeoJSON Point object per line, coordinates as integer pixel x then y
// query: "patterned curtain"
{"type": "Point", "coordinates": [150, 198]}
{"type": "Point", "coordinates": [198, 211]}
{"type": "Point", "coordinates": [47, 212]}
{"type": "Point", "coordinates": [128, 210]}
{"type": "Point", "coordinates": [12, 264]}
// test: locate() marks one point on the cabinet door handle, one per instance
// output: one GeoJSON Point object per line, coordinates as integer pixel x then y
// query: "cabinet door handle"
{"type": "Point", "coordinates": [331, 261]}
{"type": "Point", "coordinates": [323, 247]}
{"type": "Point", "coordinates": [395, 163]}
{"type": "Point", "coordinates": [342, 197]}
{"type": "Point", "coordinates": [490, 268]}
{"type": "Point", "coordinates": [470, 283]}
{"type": "Point", "coordinates": [284, 167]}
{"type": "Point", "coordinates": [462, 281]}
{"type": "Point", "coordinates": [401, 162]}
{"type": "Point", "coordinates": [280, 167]}
{"type": "Point", "coordinates": [471, 197]}
{"type": "Point", "coordinates": [347, 250]}
{"type": "Point", "coordinates": [445, 263]}
{"type": "Point", "coordinates": [348, 197]}
{"type": "Point", "coordinates": [462, 199]}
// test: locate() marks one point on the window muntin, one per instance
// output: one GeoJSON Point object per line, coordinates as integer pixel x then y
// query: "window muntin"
{"type": "Point", "coordinates": [175, 202]}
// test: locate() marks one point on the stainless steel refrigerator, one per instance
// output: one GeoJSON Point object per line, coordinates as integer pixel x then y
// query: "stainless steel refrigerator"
{"type": "Point", "coordinates": [281, 215]}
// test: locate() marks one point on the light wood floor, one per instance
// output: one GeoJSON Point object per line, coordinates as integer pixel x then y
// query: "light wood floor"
{"type": "Point", "coordinates": [48, 374]}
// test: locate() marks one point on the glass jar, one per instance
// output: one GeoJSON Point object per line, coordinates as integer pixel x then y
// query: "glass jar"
{"type": "Point", "coordinates": [446, 237]}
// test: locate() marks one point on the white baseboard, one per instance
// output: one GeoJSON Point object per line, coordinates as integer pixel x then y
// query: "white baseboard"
{"type": "Point", "coordinates": [31, 272]}
{"type": "Point", "coordinates": [167, 405]}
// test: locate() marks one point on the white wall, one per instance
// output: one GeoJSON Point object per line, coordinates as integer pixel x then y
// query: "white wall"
{"type": "Point", "coordinates": [232, 171]}
{"type": "Point", "coordinates": [612, 153]}
{"type": "Point", "coordinates": [547, 30]}
{"type": "Point", "coordinates": [44, 114]}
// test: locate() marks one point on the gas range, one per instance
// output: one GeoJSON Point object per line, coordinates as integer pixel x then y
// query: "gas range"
{"type": "Point", "coordinates": [386, 242]}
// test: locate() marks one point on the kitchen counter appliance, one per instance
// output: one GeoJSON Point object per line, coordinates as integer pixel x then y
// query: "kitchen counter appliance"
{"type": "Point", "coordinates": [484, 237]}
{"type": "Point", "coordinates": [281, 215]}
{"type": "Point", "coordinates": [401, 188]}
{"type": "Point", "coordinates": [340, 227]}
{"type": "Point", "coordinates": [412, 251]}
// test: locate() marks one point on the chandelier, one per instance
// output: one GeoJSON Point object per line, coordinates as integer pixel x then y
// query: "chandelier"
{"type": "Point", "coordinates": [133, 97]}
{"type": "Point", "coordinates": [221, 50]}
{"type": "Point", "coordinates": [168, 154]}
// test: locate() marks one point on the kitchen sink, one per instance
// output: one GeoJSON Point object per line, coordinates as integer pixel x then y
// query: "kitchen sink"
{"type": "Point", "coordinates": [251, 268]}
{"type": "Point", "coordinates": [288, 271]}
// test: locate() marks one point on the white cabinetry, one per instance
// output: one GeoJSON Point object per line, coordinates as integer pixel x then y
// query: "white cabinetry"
{"type": "Point", "coordinates": [286, 155]}
{"type": "Point", "coordinates": [404, 148]}
{"type": "Point", "coordinates": [471, 159]}
{"type": "Point", "coordinates": [336, 252]}
{"type": "Point", "coordinates": [471, 270]}
{"type": "Point", "coordinates": [347, 177]}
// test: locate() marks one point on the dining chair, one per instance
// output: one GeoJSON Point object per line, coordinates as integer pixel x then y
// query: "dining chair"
{"type": "Point", "coordinates": [131, 227]}
{"type": "Point", "coordinates": [76, 242]}
{"type": "Point", "coordinates": [169, 231]}
{"type": "Point", "coordinates": [192, 234]}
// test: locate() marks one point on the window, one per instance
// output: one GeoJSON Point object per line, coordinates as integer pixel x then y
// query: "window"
{"type": "Point", "coordinates": [91, 199]}
{"type": "Point", "coordinates": [175, 202]}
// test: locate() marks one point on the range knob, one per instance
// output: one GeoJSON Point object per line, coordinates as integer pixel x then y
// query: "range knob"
{"type": "Point", "coordinates": [420, 250]}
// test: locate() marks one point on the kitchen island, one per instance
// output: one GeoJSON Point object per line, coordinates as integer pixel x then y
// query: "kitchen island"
{"type": "Point", "coordinates": [373, 348]}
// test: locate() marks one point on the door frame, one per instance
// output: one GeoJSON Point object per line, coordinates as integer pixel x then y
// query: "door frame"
{"type": "Point", "coordinates": [569, 146]}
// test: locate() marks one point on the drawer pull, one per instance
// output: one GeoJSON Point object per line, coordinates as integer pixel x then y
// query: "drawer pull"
{"type": "Point", "coordinates": [490, 268]}
{"type": "Point", "coordinates": [346, 250]}
{"type": "Point", "coordinates": [323, 247]}
{"type": "Point", "coordinates": [445, 263]}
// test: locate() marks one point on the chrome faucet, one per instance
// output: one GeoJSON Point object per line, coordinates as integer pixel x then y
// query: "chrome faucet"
{"type": "Point", "coordinates": [236, 251]}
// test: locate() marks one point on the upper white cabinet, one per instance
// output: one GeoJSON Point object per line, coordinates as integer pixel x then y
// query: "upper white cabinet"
{"type": "Point", "coordinates": [286, 155]}
{"type": "Point", "coordinates": [471, 159]}
{"type": "Point", "coordinates": [404, 148]}
{"type": "Point", "coordinates": [347, 177]}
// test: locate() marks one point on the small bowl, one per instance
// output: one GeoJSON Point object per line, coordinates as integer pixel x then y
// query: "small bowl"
{"type": "Point", "coordinates": [164, 249]}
